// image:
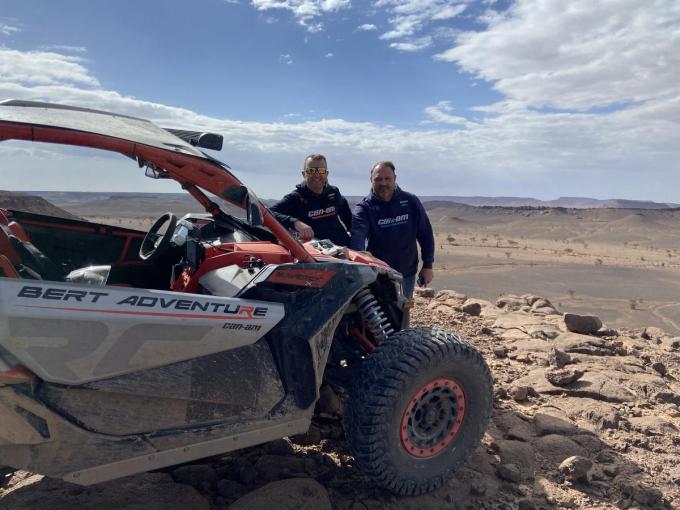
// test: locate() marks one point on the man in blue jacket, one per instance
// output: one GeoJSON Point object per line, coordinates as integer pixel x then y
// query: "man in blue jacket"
{"type": "Point", "coordinates": [315, 208]}
{"type": "Point", "coordinates": [388, 222]}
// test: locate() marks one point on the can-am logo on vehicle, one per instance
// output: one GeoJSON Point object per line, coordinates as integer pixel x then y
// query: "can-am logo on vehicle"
{"type": "Point", "coordinates": [140, 301]}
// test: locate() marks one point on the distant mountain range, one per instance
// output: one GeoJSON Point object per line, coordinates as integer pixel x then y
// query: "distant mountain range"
{"type": "Point", "coordinates": [154, 204]}
{"type": "Point", "coordinates": [567, 202]}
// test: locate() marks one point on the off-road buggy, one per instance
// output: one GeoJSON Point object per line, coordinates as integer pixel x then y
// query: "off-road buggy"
{"type": "Point", "coordinates": [123, 351]}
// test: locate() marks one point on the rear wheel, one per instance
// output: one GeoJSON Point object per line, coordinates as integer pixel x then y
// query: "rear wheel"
{"type": "Point", "coordinates": [418, 409]}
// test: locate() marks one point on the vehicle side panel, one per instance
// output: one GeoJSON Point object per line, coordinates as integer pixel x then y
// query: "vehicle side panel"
{"type": "Point", "coordinates": [73, 334]}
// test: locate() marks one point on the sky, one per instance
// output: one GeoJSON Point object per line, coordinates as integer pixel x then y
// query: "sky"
{"type": "Point", "coordinates": [532, 98]}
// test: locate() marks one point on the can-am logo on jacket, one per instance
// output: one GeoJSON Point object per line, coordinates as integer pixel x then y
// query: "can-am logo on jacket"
{"type": "Point", "coordinates": [322, 213]}
{"type": "Point", "coordinates": [393, 222]}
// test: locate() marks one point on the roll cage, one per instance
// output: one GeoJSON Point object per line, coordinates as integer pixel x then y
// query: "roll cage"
{"type": "Point", "coordinates": [152, 146]}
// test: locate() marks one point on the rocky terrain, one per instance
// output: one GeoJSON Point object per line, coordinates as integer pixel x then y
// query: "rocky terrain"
{"type": "Point", "coordinates": [585, 417]}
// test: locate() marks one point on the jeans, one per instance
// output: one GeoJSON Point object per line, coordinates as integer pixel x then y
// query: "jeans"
{"type": "Point", "coordinates": [408, 286]}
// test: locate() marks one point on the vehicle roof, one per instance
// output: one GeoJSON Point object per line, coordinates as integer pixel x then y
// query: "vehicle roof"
{"type": "Point", "coordinates": [141, 140]}
{"type": "Point", "coordinates": [95, 121]}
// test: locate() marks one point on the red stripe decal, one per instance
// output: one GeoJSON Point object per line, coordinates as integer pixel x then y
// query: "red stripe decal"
{"type": "Point", "coordinates": [150, 314]}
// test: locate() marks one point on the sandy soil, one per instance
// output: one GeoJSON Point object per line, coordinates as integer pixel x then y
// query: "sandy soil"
{"type": "Point", "coordinates": [622, 265]}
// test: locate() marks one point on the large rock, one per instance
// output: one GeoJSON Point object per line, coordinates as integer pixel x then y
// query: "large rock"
{"type": "Point", "coordinates": [607, 385]}
{"type": "Point", "coordinates": [643, 494]}
{"type": "Point", "coordinates": [563, 376]}
{"type": "Point", "coordinates": [147, 491]}
{"type": "Point", "coordinates": [291, 494]}
{"type": "Point", "coordinates": [517, 320]}
{"type": "Point", "coordinates": [275, 467]}
{"type": "Point", "coordinates": [558, 358]}
{"type": "Point", "coordinates": [472, 308]}
{"type": "Point", "coordinates": [584, 344]}
{"type": "Point", "coordinates": [575, 468]}
{"type": "Point", "coordinates": [653, 426]}
{"type": "Point", "coordinates": [552, 422]}
{"type": "Point", "coordinates": [584, 324]}
{"type": "Point", "coordinates": [510, 302]}
{"type": "Point", "coordinates": [519, 454]}
{"type": "Point", "coordinates": [653, 333]}
{"type": "Point", "coordinates": [445, 295]}
{"type": "Point", "coordinates": [600, 414]}
{"type": "Point", "coordinates": [555, 448]}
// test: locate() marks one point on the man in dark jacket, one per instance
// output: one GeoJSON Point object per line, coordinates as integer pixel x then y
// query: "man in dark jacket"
{"type": "Point", "coordinates": [388, 222]}
{"type": "Point", "coordinates": [315, 208]}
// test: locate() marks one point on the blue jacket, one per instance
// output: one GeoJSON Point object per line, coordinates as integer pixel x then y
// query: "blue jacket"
{"type": "Point", "coordinates": [389, 230]}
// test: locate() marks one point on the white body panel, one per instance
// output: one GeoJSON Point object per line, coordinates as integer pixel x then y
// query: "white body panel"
{"type": "Point", "coordinates": [71, 334]}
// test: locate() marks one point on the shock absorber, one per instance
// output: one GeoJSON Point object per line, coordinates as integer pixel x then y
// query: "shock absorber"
{"type": "Point", "coordinates": [373, 316]}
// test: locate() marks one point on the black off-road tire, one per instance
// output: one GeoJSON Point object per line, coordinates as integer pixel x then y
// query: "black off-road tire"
{"type": "Point", "coordinates": [418, 409]}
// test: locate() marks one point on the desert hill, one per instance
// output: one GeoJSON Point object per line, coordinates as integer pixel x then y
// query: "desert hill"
{"type": "Point", "coordinates": [125, 205]}
{"type": "Point", "coordinates": [585, 417]}
{"type": "Point", "coordinates": [567, 202]}
{"type": "Point", "coordinates": [31, 203]}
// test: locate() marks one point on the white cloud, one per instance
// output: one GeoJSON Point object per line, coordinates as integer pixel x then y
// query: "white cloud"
{"type": "Point", "coordinates": [409, 17]}
{"type": "Point", "coordinates": [286, 59]}
{"type": "Point", "coordinates": [329, 55]}
{"type": "Point", "coordinates": [509, 150]}
{"type": "Point", "coordinates": [306, 12]}
{"type": "Point", "coordinates": [367, 27]}
{"type": "Point", "coordinates": [64, 48]}
{"type": "Point", "coordinates": [441, 113]}
{"type": "Point", "coordinates": [43, 68]}
{"type": "Point", "coordinates": [6, 29]}
{"type": "Point", "coordinates": [578, 54]}
{"type": "Point", "coordinates": [413, 44]}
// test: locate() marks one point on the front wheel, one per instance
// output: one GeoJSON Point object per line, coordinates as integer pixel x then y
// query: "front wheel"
{"type": "Point", "coordinates": [418, 409]}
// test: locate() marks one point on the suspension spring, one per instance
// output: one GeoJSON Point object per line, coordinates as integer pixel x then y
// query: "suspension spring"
{"type": "Point", "coordinates": [373, 315]}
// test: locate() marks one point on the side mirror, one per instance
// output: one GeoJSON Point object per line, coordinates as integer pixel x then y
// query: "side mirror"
{"type": "Point", "coordinates": [153, 172]}
{"type": "Point", "coordinates": [253, 212]}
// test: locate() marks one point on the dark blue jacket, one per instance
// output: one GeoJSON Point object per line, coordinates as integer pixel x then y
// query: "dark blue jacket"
{"type": "Point", "coordinates": [389, 230]}
{"type": "Point", "coordinates": [328, 213]}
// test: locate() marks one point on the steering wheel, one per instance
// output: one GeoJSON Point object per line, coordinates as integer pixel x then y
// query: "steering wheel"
{"type": "Point", "coordinates": [155, 244]}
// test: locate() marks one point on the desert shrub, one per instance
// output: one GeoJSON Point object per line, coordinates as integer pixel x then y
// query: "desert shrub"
{"type": "Point", "coordinates": [598, 262]}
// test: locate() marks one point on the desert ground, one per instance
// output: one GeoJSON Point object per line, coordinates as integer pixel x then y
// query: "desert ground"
{"type": "Point", "coordinates": [622, 264]}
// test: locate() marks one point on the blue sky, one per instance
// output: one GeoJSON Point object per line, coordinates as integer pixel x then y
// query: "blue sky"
{"type": "Point", "coordinates": [518, 97]}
